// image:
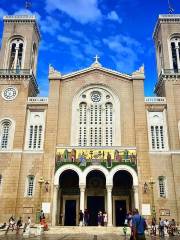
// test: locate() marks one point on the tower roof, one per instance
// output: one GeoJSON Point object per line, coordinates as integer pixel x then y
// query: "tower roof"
{"type": "Point", "coordinates": [166, 18]}
{"type": "Point", "coordinates": [23, 19]}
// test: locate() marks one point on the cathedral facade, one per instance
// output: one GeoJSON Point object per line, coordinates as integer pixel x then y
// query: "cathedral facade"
{"type": "Point", "coordinates": [96, 142]}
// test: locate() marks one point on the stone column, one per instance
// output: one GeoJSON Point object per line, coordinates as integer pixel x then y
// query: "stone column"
{"type": "Point", "coordinates": [136, 197]}
{"type": "Point", "coordinates": [82, 194]}
{"type": "Point", "coordinates": [54, 207]}
{"type": "Point", "coordinates": [109, 205]}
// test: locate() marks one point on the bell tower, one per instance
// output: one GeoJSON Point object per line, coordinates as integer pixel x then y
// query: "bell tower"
{"type": "Point", "coordinates": [167, 43]}
{"type": "Point", "coordinates": [19, 50]}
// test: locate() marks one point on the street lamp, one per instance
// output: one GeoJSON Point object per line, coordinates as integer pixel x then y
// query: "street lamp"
{"type": "Point", "coordinates": [41, 181]}
{"type": "Point", "coordinates": [153, 209]}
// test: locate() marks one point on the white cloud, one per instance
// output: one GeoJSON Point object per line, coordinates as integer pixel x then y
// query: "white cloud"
{"type": "Point", "coordinates": [83, 11]}
{"type": "Point", "coordinates": [49, 25]}
{"type": "Point", "coordinates": [67, 40]}
{"type": "Point", "coordinates": [113, 16]}
{"type": "Point", "coordinates": [2, 13]}
{"type": "Point", "coordinates": [126, 51]}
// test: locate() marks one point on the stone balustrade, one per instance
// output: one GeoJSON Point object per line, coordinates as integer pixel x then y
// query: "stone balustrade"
{"type": "Point", "coordinates": [155, 100]}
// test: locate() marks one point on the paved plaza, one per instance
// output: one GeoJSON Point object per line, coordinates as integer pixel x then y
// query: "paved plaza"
{"type": "Point", "coordinates": [77, 237]}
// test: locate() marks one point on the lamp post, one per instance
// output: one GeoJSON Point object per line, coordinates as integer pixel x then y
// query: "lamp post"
{"type": "Point", "coordinates": [41, 181]}
{"type": "Point", "coordinates": [153, 209]}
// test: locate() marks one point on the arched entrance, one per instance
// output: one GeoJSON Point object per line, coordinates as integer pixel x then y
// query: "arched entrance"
{"type": "Point", "coordinates": [96, 194]}
{"type": "Point", "coordinates": [68, 198]}
{"type": "Point", "coordinates": [122, 196]}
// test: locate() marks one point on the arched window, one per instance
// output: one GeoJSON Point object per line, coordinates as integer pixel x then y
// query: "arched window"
{"type": "Point", "coordinates": [157, 131]}
{"type": "Point", "coordinates": [94, 118]}
{"type": "Point", "coordinates": [162, 186]}
{"type": "Point", "coordinates": [175, 53]}
{"type": "Point", "coordinates": [35, 130]}
{"type": "Point", "coordinates": [30, 185]}
{"type": "Point", "coordinates": [0, 180]}
{"type": "Point", "coordinates": [35, 136]}
{"type": "Point", "coordinates": [33, 59]}
{"type": "Point", "coordinates": [5, 134]}
{"type": "Point", "coordinates": [16, 53]}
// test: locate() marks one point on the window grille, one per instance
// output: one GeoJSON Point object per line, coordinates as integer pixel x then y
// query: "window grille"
{"type": "Point", "coordinates": [5, 132]}
{"type": "Point", "coordinates": [162, 187]}
{"type": "Point", "coordinates": [157, 137]}
{"type": "Point", "coordinates": [30, 186]}
{"type": "Point", "coordinates": [35, 136]}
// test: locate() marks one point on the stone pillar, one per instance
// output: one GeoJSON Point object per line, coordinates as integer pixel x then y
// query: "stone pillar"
{"type": "Point", "coordinates": [109, 205]}
{"type": "Point", "coordinates": [54, 207]}
{"type": "Point", "coordinates": [136, 197]}
{"type": "Point", "coordinates": [82, 194]}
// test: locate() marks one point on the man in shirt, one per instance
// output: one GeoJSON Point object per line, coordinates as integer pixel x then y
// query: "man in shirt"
{"type": "Point", "coordinates": [138, 226]}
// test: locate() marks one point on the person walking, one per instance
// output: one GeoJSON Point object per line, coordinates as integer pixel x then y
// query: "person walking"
{"type": "Point", "coordinates": [86, 217]}
{"type": "Point", "coordinates": [153, 226]}
{"type": "Point", "coordinates": [41, 216]}
{"type": "Point", "coordinates": [18, 225]}
{"type": "Point", "coordinates": [81, 217]}
{"type": "Point", "coordinates": [139, 226]}
{"type": "Point", "coordinates": [11, 224]}
{"type": "Point", "coordinates": [27, 225]}
{"type": "Point", "coordinates": [166, 227]}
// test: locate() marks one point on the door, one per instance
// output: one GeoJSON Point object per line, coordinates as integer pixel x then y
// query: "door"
{"type": "Point", "coordinates": [94, 205]}
{"type": "Point", "coordinates": [70, 213]}
{"type": "Point", "coordinates": [120, 211]}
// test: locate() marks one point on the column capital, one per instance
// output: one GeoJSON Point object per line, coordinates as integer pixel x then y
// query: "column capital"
{"type": "Point", "coordinates": [82, 187]}
{"type": "Point", "coordinates": [109, 188]}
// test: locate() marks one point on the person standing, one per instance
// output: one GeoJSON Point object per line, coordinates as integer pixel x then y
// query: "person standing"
{"type": "Point", "coordinates": [166, 227]}
{"type": "Point", "coordinates": [138, 226]}
{"type": "Point", "coordinates": [81, 217]}
{"type": "Point", "coordinates": [105, 219]}
{"type": "Point", "coordinates": [161, 227]}
{"type": "Point", "coordinates": [41, 216]}
{"type": "Point", "coordinates": [153, 226]}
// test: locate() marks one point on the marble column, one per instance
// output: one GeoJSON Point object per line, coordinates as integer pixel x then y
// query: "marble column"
{"type": "Point", "coordinates": [109, 205]}
{"type": "Point", "coordinates": [54, 207]}
{"type": "Point", "coordinates": [82, 197]}
{"type": "Point", "coordinates": [136, 197]}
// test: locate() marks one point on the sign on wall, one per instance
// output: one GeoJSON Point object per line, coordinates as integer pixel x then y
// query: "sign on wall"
{"type": "Point", "coordinates": [46, 207]}
{"type": "Point", "coordinates": [146, 209]}
{"type": "Point", "coordinates": [164, 212]}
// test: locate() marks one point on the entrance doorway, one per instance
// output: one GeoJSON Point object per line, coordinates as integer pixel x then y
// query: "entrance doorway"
{"type": "Point", "coordinates": [120, 211]}
{"type": "Point", "coordinates": [94, 205]}
{"type": "Point", "coordinates": [70, 213]}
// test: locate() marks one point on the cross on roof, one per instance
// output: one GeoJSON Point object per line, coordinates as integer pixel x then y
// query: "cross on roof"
{"type": "Point", "coordinates": [28, 4]}
{"type": "Point", "coordinates": [96, 58]}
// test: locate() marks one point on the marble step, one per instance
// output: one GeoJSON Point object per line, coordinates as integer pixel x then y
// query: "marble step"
{"type": "Point", "coordinates": [87, 230]}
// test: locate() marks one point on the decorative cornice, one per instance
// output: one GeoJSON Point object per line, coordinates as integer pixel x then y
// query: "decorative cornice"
{"type": "Point", "coordinates": [23, 19]}
{"type": "Point", "coordinates": [53, 73]}
{"type": "Point", "coordinates": [139, 74]}
{"type": "Point", "coordinates": [165, 18]}
{"type": "Point", "coordinates": [92, 68]}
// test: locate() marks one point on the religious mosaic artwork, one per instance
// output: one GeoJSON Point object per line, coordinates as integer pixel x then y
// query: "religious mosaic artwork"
{"type": "Point", "coordinates": [82, 156]}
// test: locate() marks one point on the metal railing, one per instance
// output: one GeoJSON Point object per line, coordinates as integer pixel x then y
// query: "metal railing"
{"type": "Point", "coordinates": [170, 71]}
{"type": "Point", "coordinates": [155, 100]}
{"type": "Point", "coordinates": [16, 72]}
{"type": "Point", "coordinates": [38, 100]}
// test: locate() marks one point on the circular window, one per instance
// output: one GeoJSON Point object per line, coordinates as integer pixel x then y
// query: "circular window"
{"type": "Point", "coordinates": [95, 96]}
{"type": "Point", "coordinates": [9, 93]}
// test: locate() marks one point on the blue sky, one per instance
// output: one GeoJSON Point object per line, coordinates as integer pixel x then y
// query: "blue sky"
{"type": "Point", "coordinates": [74, 31]}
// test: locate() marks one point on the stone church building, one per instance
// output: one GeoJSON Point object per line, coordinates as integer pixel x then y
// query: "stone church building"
{"type": "Point", "coordinates": [96, 142]}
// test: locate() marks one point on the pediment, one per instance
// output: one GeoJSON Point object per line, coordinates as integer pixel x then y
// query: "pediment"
{"type": "Point", "coordinates": [96, 70]}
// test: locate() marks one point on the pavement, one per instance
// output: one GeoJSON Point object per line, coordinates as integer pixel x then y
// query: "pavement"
{"type": "Point", "coordinates": [78, 237]}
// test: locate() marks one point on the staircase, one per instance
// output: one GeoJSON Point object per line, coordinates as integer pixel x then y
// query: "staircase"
{"type": "Point", "coordinates": [87, 230]}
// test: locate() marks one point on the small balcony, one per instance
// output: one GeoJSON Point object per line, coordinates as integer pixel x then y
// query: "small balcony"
{"type": "Point", "coordinates": [107, 157]}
